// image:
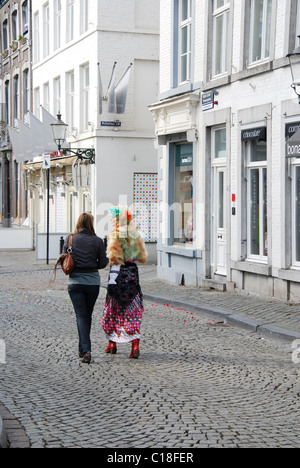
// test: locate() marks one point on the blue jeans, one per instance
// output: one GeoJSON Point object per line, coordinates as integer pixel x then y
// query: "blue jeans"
{"type": "Point", "coordinates": [84, 298]}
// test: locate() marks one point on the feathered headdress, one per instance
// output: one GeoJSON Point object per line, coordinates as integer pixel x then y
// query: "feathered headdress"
{"type": "Point", "coordinates": [120, 214]}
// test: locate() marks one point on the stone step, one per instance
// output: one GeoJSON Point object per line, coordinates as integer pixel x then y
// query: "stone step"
{"type": "Point", "coordinates": [218, 285]}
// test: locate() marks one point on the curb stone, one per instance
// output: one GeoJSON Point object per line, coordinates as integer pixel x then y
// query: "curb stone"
{"type": "Point", "coordinates": [13, 434]}
{"type": "Point", "coordinates": [3, 438]}
{"type": "Point", "coordinates": [259, 326]}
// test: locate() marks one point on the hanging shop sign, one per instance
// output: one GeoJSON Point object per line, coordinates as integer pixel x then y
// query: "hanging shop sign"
{"type": "Point", "coordinates": [291, 129]}
{"type": "Point", "coordinates": [184, 155]}
{"type": "Point", "coordinates": [259, 134]}
{"type": "Point", "coordinates": [292, 149]}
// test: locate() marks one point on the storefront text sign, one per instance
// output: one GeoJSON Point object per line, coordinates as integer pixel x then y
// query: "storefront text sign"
{"type": "Point", "coordinates": [293, 146]}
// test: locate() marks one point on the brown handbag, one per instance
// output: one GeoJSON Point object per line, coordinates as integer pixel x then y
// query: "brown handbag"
{"type": "Point", "coordinates": [66, 260]}
{"type": "Point", "coordinates": [67, 264]}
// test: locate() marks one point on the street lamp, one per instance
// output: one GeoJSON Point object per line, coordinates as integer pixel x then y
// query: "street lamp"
{"type": "Point", "coordinates": [59, 130]}
{"type": "Point", "coordinates": [294, 59]}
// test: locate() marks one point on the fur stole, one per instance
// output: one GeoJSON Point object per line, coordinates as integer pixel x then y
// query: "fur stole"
{"type": "Point", "coordinates": [125, 243]}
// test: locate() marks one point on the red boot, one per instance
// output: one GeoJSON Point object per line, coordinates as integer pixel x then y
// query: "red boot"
{"type": "Point", "coordinates": [135, 351]}
{"type": "Point", "coordinates": [112, 348]}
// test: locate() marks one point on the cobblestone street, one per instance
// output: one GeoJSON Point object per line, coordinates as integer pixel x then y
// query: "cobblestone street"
{"type": "Point", "coordinates": [198, 383]}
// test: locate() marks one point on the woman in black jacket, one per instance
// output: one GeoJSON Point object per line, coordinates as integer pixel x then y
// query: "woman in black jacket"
{"type": "Point", "coordinates": [88, 253]}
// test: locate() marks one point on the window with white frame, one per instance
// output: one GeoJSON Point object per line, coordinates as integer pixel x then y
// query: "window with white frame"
{"type": "Point", "coordinates": [297, 28]}
{"type": "Point", "coordinates": [14, 26]}
{"type": "Point", "coordinates": [7, 101]}
{"type": "Point", "coordinates": [221, 11]}
{"type": "Point", "coordinates": [185, 40]}
{"type": "Point", "coordinates": [46, 96]}
{"type": "Point", "coordinates": [57, 95]}
{"type": "Point", "coordinates": [182, 197]}
{"type": "Point", "coordinates": [70, 20]}
{"type": "Point", "coordinates": [257, 200]}
{"type": "Point", "coordinates": [16, 97]}
{"type": "Point", "coordinates": [85, 86]}
{"type": "Point", "coordinates": [26, 91]}
{"type": "Point", "coordinates": [70, 98]}
{"type": "Point", "coordinates": [5, 35]}
{"type": "Point", "coordinates": [37, 102]}
{"type": "Point", "coordinates": [46, 30]}
{"type": "Point", "coordinates": [84, 16]}
{"type": "Point", "coordinates": [260, 30]}
{"type": "Point", "coordinates": [57, 24]}
{"type": "Point", "coordinates": [36, 37]}
{"type": "Point", "coordinates": [25, 17]}
{"type": "Point", "coordinates": [294, 32]}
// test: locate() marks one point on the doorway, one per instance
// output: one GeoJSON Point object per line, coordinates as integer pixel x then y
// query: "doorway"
{"type": "Point", "coordinates": [219, 203]}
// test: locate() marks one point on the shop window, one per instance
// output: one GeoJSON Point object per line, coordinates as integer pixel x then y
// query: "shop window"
{"type": "Point", "coordinates": [183, 194]}
{"type": "Point", "coordinates": [257, 199]}
{"type": "Point", "coordinates": [296, 215]}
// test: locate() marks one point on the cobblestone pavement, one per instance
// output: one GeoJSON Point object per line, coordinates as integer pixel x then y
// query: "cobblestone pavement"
{"type": "Point", "coordinates": [198, 383]}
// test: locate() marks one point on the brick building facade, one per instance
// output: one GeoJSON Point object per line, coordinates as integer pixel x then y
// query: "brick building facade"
{"type": "Point", "coordinates": [16, 100]}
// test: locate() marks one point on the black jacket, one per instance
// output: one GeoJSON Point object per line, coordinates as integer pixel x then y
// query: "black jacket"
{"type": "Point", "coordinates": [88, 252]}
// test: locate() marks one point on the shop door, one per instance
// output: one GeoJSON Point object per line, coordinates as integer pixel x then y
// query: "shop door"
{"type": "Point", "coordinates": [219, 231]}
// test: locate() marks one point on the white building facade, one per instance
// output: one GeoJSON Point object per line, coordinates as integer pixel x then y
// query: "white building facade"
{"type": "Point", "coordinates": [75, 46]}
{"type": "Point", "coordinates": [230, 197]}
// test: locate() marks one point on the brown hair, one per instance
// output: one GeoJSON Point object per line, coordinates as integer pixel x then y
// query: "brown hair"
{"type": "Point", "coordinates": [85, 221]}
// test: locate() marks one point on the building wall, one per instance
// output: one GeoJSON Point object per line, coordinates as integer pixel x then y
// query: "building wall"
{"type": "Point", "coordinates": [249, 96]}
{"type": "Point", "coordinates": [127, 34]}
{"type": "Point", "coordinates": [15, 62]}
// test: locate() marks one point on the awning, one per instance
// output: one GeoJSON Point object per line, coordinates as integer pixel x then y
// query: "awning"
{"type": "Point", "coordinates": [64, 161]}
{"type": "Point", "coordinates": [77, 173]}
{"type": "Point", "coordinates": [34, 139]}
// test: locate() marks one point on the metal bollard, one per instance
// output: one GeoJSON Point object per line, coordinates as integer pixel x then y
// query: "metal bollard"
{"type": "Point", "coordinates": [61, 244]}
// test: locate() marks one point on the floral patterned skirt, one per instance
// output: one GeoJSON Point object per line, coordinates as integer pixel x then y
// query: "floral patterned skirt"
{"type": "Point", "coordinates": [123, 309]}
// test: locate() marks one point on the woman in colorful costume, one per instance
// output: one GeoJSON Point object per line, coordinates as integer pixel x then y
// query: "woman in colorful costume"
{"type": "Point", "coordinates": [123, 307]}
